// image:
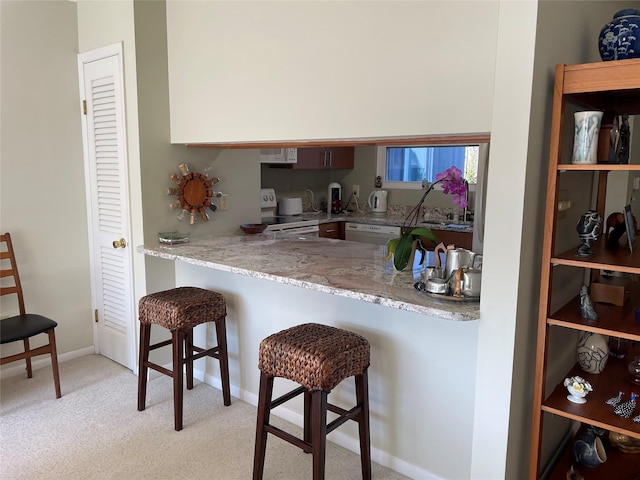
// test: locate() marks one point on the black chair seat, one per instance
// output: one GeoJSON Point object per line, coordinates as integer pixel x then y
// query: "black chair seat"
{"type": "Point", "coordinates": [24, 326]}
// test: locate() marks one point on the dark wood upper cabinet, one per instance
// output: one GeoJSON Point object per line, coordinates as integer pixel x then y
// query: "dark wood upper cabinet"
{"type": "Point", "coordinates": [323, 158]}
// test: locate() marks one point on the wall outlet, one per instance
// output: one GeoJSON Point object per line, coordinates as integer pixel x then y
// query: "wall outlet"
{"type": "Point", "coordinates": [224, 201]}
{"type": "Point", "coordinates": [356, 190]}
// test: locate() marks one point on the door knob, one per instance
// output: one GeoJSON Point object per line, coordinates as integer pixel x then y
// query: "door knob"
{"type": "Point", "coordinates": [119, 243]}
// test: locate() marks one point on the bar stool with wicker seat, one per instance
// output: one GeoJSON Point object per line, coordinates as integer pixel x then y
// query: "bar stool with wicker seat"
{"type": "Point", "coordinates": [318, 357]}
{"type": "Point", "coordinates": [179, 310]}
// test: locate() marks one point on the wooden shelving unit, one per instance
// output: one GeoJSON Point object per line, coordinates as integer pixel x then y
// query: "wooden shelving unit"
{"type": "Point", "coordinates": [613, 87]}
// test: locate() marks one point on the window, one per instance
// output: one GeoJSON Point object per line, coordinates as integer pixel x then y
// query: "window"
{"type": "Point", "coordinates": [405, 167]}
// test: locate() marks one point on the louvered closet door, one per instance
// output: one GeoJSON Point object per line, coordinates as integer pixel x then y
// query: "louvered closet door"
{"type": "Point", "coordinates": [106, 171]}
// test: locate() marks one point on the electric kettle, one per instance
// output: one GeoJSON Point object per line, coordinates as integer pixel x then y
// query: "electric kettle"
{"type": "Point", "coordinates": [378, 202]}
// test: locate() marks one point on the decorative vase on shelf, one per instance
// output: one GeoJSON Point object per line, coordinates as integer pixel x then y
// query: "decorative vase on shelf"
{"type": "Point", "coordinates": [588, 450]}
{"type": "Point", "coordinates": [585, 137]}
{"type": "Point", "coordinates": [620, 38]}
{"type": "Point", "coordinates": [592, 352]}
{"type": "Point", "coordinates": [588, 229]}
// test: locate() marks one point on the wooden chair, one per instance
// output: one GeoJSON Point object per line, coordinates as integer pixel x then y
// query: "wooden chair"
{"type": "Point", "coordinates": [26, 325]}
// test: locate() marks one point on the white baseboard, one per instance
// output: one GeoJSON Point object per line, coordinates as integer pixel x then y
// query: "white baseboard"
{"type": "Point", "coordinates": [18, 367]}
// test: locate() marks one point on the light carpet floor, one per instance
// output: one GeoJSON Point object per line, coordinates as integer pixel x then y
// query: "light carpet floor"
{"type": "Point", "coordinates": [95, 432]}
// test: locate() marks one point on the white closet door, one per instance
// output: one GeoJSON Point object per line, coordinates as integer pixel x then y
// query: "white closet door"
{"type": "Point", "coordinates": [101, 88]}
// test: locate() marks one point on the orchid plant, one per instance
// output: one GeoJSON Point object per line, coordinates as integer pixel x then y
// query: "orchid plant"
{"type": "Point", "coordinates": [401, 248]}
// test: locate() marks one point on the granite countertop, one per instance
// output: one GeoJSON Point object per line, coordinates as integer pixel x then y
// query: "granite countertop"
{"type": "Point", "coordinates": [338, 267]}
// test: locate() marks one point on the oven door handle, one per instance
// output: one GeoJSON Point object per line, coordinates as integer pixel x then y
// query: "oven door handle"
{"type": "Point", "coordinates": [300, 230]}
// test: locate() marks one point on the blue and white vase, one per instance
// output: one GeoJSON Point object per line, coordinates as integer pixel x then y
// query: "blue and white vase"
{"type": "Point", "coordinates": [588, 450]}
{"type": "Point", "coordinates": [585, 138]}
{"type": "Point", "coordinates": [620, 38]}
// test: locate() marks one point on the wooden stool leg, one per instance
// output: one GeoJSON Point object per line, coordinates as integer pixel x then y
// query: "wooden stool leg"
{"type": "Point", "coordinates": [28, 359]}
{"type": "Point", "coordinates": [143, 369]}
{"type": "Point", "coordinates": [188, 354]}
{"type": "Point", "coordinates": [307, 418]}
{"type": "Point", "coordinates": [319, 432]}
{"type": "Point", "coordinates": [362, 395]}
{"type": "Point", "coordinates": [223, 357]}
{"type": "Point", "coordinates": [54, 362]}
{"type": "Point", "coordinates": [178, 338]}
{"type": "Point", "coordinates": [264, 411]}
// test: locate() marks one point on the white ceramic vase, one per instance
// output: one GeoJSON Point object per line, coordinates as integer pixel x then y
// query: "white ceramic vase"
{"type": "Point", "coordinates": [592, 352]}
{"type": "Point", "coordinates": [585, 139]}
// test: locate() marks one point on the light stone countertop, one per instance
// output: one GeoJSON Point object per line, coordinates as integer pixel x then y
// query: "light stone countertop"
{"type": "Point", "coordinates": [338, 267]}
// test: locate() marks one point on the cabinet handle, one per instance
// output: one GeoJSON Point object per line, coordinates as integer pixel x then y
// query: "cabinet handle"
{"type": "Point", "coordinates": [330, 157]}
{"type": "Point", "coordinates": [330, 230]}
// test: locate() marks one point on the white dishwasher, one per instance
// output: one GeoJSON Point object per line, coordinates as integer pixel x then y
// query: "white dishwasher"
{"type": "Point", "coordinates": [367, 233]}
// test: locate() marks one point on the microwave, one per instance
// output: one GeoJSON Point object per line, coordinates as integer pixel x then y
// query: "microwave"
{"type": "Point", "coordinates": [278, 155]}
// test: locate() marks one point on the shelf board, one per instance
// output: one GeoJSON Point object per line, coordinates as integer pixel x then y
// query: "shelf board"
{"type": "Point", "coordinates": [608, 167]}
{"type": "Point", "coordinates": [619, 260]}
{"type": "Point", "coordinates": [614, 378]}
{"type": "Point", "coordinates": [612, 320]}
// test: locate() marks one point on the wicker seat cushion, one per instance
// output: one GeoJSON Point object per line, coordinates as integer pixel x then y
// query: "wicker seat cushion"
{"type": "Point", "coordinates": [315, 356]}
{"type": "Point", "coordinates": [182, 307]}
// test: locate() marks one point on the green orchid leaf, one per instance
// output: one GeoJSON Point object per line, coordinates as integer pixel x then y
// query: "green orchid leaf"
{"type": "Point", "coordinates": [420, 248]}
{"type": "Point", "coordinates": [391, 248]}
{"type": "Point", "coordinates": [403, 252]}
{"type": "Point", "coordinates": [424, 233]}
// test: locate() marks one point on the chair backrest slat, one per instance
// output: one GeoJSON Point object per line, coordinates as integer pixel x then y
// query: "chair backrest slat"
{"type": "Point", "coordinates": [8, 254]}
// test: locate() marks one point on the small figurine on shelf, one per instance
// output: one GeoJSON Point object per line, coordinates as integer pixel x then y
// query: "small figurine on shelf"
{"type": "Point", "coordinates": [614, 401]}
{"type": "Point", "coordinates": [578, 388]}
{"type": "Point", "coordinates": [625, 410]}
{"type": "Point", "coordinates": [573, 474]}
{"type": "Point", "coordinates": [586, 307]}
{"type": "Point", "coordinates": [588, 230]}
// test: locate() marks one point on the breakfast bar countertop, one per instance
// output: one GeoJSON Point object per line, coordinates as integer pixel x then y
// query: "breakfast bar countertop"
{"type": "Point", "coordinates": [338, 267]}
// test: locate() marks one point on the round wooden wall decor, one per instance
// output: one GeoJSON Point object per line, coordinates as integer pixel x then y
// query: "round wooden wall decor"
{"type": "Point", "coordinates": [193, 191]}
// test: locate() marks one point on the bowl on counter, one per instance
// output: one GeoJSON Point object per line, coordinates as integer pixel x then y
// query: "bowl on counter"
{"type": "Point", "coordinates": [251, 228]}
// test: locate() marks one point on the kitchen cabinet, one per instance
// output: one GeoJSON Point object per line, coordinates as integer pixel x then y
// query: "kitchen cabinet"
{"type": "Point", "coordinates": [324, 158]}
{"type": "Point", "coordinates": [459, 239]}
{"type": "Point", "coordinates": [613, 87]}
{"type": "Point", "coordinates": [450, 237]}
{"type": "Point", "coordinates": [332, 230]}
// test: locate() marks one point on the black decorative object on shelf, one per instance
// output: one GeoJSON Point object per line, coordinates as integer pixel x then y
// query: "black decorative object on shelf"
{"type": "Point", "coordinates": [588, 230]}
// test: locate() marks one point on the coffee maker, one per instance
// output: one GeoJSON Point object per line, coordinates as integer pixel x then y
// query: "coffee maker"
{"type": "Point", "coordinates": [334, 198]}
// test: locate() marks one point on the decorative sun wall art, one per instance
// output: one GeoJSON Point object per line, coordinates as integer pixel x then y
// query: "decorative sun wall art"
{"type": "Point", "coordinates": [193, 192]}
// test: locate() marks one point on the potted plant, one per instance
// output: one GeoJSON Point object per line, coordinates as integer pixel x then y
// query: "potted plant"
{"type": "Point", "coordinates": [411, 240]}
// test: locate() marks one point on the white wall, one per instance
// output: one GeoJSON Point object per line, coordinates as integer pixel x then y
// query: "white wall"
{"type": "Point", "coordinates": [298, 70]}
{"type": "Point", "coordinates": [42, 193]}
